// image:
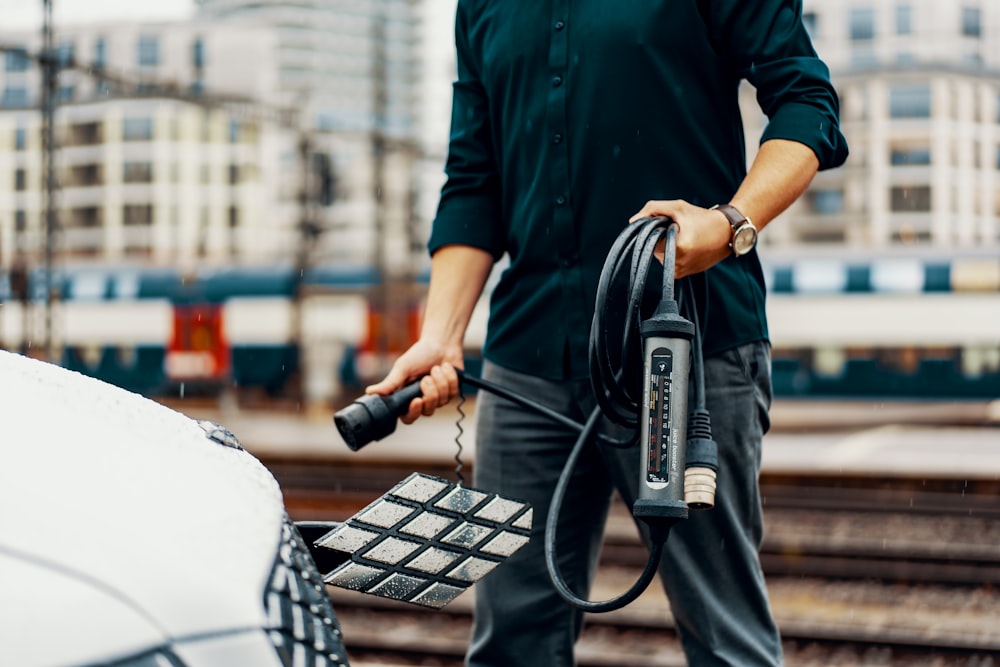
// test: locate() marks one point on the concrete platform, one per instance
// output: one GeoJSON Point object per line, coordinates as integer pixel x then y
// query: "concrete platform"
{"type": "Point", "coordinates": [935, 439]}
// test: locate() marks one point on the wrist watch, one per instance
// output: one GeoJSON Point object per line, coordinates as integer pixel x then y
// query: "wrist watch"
{"type": "Point", "coordinates": [744, 233]}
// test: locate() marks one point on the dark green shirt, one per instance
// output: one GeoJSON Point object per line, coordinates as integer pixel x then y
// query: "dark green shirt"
{"type": "Point", "coordinates": [569, 115]}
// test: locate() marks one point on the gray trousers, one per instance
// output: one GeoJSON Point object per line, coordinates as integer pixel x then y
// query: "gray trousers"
{"type": "Point", "coordinates": [710, 569]}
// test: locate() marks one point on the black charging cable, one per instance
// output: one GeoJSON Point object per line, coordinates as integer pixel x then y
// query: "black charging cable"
{"type": "Point", "coordinates": [619, 394]}
{"type": "Point", "coordinates": [373, 417]}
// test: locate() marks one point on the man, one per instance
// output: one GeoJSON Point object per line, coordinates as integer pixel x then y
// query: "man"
{"type": "Point", "coordinates": [568, 115]}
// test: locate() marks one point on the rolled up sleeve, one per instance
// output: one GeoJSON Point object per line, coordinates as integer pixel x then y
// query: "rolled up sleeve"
{"type": "Point", "coordinates": [469, 209]}
{"type": "Point", "coordinates": [768, 45]}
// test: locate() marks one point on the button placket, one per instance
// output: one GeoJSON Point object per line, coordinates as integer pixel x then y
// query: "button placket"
{"type": "Point", "coordinates": [559, 172]}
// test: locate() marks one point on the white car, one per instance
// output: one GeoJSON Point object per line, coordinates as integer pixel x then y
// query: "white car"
{"type": "Point", "coordinates": [133, 536]}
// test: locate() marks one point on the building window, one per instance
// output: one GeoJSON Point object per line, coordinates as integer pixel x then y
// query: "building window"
{"type": "Point", "coordinates": [16, 60]}
{"type": "Point", "coordinates": [100, 52]}
{"type": "Point", "coordinates": [863, 56]}
{"type": "Point", "coordinates": [862, 26]}
{"type": "Point", "coordinates": [198, 54]}
{"type": "Point", "coordinates": [89, 216]}
{"type": "Point", "coordinates": [20, 180]}
{"type": "Point", "coordinates": [137, 172]}
{"type": "Point", "coordinates": [65, 94]}
{"type": "Point", "coordinates": [809, 21]}
{"type": "Point", "coordinates": [148, 54]}
{"type": "Point", "coordinates": [910, 199]}
{"type": "Point", "coordinates": [234, 174]}
{"type": "Point", "coordinates": [137, 214]}
{"type": "Point", "coordinates": [64, 54]}
{"type": "Point", "coordinates": [910, 101]}
{"type": "Point", "coordinates": [910, 155]}
{"type": "Point", "coordinates": [137, 129]}
{"type": "Point", "coordinates": [20, 221]}
{"type": "Point", "coordinates": [904, 20]}
{"type": "Point", "coordinates": [971, 22]}
{"type": "Point", "coordinates": [973, 58]}
{"type": "Point", "coordinates": [908, 235]}
{"type": "Point", "coordinates": [234, 131]}
{"type": "Point", "coordinates": [15, 97]}
{"type": "Point", "coordinates": [827, 202]}
{"type": "Point", "coordinates": [20, 138]}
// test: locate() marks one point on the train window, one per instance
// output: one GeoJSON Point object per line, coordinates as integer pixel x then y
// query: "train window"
{"type": "Point", "coordinates": [828, 361]}
{"type": "Point", "coordinates": [126, 285]}
{"type": "Point", "coordinates": [89, 286]}
{"type": "Point", "coordinates": [819, 276]}
{"type": "Point", "coordinates": [897, 275]}
{"type": "Point", "coordinates": [905, 359]}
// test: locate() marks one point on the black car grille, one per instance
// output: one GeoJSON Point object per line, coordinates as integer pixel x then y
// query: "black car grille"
{"type": "Point", "coordinates": [301, 621]}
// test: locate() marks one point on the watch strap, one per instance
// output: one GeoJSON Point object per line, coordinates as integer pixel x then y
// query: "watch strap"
{"type": "Point", "coordinates": [732, 214]}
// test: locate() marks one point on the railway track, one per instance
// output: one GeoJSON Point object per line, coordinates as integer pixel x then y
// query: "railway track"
{"type": "Point", "coordinates": [379, 631]}
{"type": "Point", "coordinates": [891, 562]}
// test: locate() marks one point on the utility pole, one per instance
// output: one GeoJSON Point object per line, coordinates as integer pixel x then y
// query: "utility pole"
{"type": "Point", "coordinates": [308, 232]}
{"type": "Point", "coordinates": [383, 302]}
{"type": "Point", "coordinates": [50, 77]}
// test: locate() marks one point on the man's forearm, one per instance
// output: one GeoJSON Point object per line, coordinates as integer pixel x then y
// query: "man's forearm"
{"type": "Point", "coordinates": [780, 173]}
{"type": "Point", "coordinates": [458, 275]}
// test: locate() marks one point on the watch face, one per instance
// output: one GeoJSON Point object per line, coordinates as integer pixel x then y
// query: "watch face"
{"type": "Point", "coordinates": [744, 239]}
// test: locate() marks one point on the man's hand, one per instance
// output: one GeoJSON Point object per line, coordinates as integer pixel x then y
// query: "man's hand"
{"type": "Point", "coordinates": [458, 274]}
{"type": "Point", "coordinates": [435, 365]}
{"type": "Point", "coordinates": [703, 235]}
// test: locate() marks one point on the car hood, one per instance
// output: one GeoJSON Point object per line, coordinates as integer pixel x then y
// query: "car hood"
{"type": "Point", "coordinates": [111, 489]}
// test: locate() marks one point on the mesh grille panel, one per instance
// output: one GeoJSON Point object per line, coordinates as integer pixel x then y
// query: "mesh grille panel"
{"type": "Point", "coordinates": [426, 541]}
{"type": "Point", "coordinates": [301, 621]}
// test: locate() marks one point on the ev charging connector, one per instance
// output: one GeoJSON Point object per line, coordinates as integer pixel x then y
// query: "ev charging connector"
{"type": "Point", "coordinates": [666, 350]}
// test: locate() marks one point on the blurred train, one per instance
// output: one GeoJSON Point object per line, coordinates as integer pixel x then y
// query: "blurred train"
{"type": "Point", "coordinates": [889, 327]}
{"type": "Point", "coordinates": [158, 331]}
{"type": "Point", "coordinates": [892, 326]}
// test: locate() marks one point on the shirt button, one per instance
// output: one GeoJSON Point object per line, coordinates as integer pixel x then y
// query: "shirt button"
{"type": "Point", "coordinates": [557, 81]}
{"type": "Point", "coordinates": [559, 25]}
{"type": "Point", "coordinates": [560, 200]}
{"type": "Point", "coordinates": [557, 138]}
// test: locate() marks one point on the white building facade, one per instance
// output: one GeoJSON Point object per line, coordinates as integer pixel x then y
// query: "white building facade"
{"type": "Point", "coordinates": [144, 176]}
{"type": "Point", "coordinates": [355, 70]}
{"type": "Point", "coordinates": [161, 178]}
{"type": "Point", "coordinates": [920, 106]}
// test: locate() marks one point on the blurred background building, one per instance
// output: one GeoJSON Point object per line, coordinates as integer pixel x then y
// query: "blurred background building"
{"type": "Point", "coordinates": [146, 172]}
{"type": "Point", "coordinates": [278, 165]}
{"type": "Point", "coordinates": [159, 170]}
{"type": "Point", "coordinates": [920, 105]}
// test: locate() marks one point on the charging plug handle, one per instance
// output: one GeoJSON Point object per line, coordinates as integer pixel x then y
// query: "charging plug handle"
{"type": "Point", "coordinates": [372, 417]}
